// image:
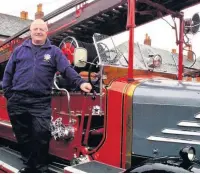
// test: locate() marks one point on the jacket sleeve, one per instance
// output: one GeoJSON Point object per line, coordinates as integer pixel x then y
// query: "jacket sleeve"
{"type": "Point", "coordinates": [8, 75]}
{"type": "Point", "coordinates": [66, 70]}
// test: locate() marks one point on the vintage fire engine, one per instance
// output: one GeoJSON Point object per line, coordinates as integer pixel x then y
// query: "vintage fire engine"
{"type": "Point", "coordinates": [142, 116]}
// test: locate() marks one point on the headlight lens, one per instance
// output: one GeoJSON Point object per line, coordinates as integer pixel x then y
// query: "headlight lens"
{"type": "Point", "coordinates": [187, 154]}
{"type": "Point", "coordinates": [191, 154]}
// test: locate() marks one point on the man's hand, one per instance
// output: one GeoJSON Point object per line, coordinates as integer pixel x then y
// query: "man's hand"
{"type": "Point", "coordinates": [86, 87]}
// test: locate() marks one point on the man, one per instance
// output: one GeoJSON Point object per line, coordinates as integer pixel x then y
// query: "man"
{"type": "Point", "coordinates": [27, 84]}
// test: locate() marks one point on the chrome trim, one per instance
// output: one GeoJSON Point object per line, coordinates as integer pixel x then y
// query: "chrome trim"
{"type": "Point", "coordinates": [180, 132]}
{"type": "Point", "coordinates": [5, 124]}
{"type": "Point", "coordinates": [72, 170]}
{"type": "Point", "coordinates": [197, 115]}
{"type": "Point", "coordinates": [189, 124]}
{"type": "Point", "coordinates": [6, 166]}
{"type": "Point", "coordinates": [173, 140]}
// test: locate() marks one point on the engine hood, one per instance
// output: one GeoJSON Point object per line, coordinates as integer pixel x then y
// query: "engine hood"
{"type": "Point", "coordinates": [166, 117]}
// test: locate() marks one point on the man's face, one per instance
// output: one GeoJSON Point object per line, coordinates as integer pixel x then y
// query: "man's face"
{"type": "Point", "coordinates": [38, 33]}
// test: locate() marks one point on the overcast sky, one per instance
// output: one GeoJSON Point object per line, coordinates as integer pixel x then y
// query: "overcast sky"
{"type": "Point", "coordinates": [14, 7]}
{"type": "Point", "coordinates": [163, 36]}
{"type": "Point", "coordinates": [160, 32]}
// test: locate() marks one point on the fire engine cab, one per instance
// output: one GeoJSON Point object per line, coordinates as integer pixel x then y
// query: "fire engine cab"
{"type": "Point", "coordinates": [141, 116]}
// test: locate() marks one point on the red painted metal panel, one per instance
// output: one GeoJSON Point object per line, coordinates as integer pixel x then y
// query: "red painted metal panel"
{"type": "Point", "coordinates": [6, 132]}
{"type": "Point", "coordinates": [5, 170]}
{"type": "Point", "coordinates": [63, 149]}
{"type": "Point", "coordinates": [110, 151]}
{"type": "Point", "coordinates": [67, 150]}
{"type": "Point", "coordinates": [3, 109]}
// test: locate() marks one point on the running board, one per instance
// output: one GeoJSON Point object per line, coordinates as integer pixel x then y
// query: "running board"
{"type": "Point", "coordinates": [93, 167]}
{"type": "Point", "coordinates": [10, 162]}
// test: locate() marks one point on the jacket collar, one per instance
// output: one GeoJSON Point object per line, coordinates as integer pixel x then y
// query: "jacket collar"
{"type": "Point", "coordinates": [28, 43]}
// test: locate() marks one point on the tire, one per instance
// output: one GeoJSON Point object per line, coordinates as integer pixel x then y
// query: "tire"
{"type": "Point", "coordinates": [158, 168]}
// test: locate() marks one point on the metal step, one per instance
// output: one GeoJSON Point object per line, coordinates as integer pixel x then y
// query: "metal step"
{"type": "Point", "coordinates": [10, 161]}
{"type": "Point", "coordinates": [93, 167]}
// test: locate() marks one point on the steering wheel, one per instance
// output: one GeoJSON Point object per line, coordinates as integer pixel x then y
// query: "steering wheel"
{"type": "Point", "coordinates": [94, 83]}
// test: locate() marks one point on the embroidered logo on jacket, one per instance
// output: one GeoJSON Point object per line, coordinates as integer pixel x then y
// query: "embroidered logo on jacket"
{"type": "Point", "coordinates": [47, 57]}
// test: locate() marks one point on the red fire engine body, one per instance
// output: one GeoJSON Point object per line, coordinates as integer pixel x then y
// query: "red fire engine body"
{"type": "Point", "coordinates": [140, 114]}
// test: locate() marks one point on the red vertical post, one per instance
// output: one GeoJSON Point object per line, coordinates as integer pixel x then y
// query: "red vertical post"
{"type": "Point", "coordinates": [81, 125]}
{"type": "Point", "coordinates": [131, 26]}
{"type": "Point", "coordinates": [181, 41]}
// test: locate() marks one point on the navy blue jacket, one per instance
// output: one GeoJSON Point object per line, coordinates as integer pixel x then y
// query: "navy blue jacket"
{"type": "Point", "coordinates": [33, 72]}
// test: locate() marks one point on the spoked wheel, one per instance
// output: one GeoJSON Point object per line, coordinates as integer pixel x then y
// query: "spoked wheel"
{"type": "Point", "coordinates": [107, 55]}
{"type": "Point", "coordinates": [68, 46]}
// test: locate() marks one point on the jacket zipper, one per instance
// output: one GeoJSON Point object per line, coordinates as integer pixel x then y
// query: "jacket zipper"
{"type": "Point", "coordinates": [33, 75]}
